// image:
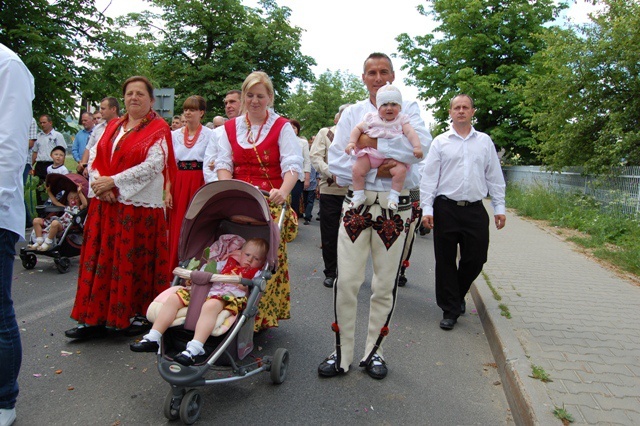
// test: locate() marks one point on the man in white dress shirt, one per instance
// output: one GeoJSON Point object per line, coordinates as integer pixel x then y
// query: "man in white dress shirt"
{"type": "Point", "coordinates": [231, 110]}
{"type": "Point", "coordinates": [370, 229]}
{"type": "Point", "coordinates": [462, 166]}
{"type": "Point", "coordinates": [16, 94]}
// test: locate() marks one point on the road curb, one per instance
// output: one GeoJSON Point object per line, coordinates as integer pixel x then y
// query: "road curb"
{"type": "Point", "coordinates": [528, 399]}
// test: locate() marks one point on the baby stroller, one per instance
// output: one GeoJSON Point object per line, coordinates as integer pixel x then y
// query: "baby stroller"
{"type": "Point", "coordinates": [219, 208]}
{"type": "Point", "coordinates": [69, 243]}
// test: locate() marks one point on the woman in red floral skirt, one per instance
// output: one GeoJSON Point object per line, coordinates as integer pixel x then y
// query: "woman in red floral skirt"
{"type": "Point", "coordinates": [124, 262]}
{"type": "Point", "coordinates": [189, 144]}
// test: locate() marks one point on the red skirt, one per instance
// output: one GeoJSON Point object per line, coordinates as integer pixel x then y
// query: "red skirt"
{"type": "Point", "coordinates": [124, 263]}
{"type": "Point", "coordinates": [186, 184]}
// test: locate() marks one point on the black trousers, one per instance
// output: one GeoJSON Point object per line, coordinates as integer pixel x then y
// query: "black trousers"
{"type": "Point", "coordinates": [329, 227]}
{"type": "Point", "coordinates": [41, 169]}
{"type": "Point", "coordinates": [296, 197]}
{"type": "Point", "coordinates": [467, 227]}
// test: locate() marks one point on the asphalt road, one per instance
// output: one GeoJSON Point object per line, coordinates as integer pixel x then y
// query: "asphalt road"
{"type": "Point", "coordinates": [435, 377]}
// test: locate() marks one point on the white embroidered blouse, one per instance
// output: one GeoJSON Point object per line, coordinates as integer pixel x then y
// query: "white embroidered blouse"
{"type": "Point", "coordinates": [141, 185]}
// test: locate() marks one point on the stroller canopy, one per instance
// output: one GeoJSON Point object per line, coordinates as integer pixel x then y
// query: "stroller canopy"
{"type": "Point", "coordinates": [232, 200]}
{"type": "Point", "coordinates": [67, 183]}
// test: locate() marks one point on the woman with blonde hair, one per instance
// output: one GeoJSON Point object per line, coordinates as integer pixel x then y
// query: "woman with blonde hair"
{"type": "Point", "coordinates": [261, 148]}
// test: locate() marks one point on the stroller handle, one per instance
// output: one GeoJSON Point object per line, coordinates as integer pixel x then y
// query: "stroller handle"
{"type": "Point", "coordinates": [236, 279]}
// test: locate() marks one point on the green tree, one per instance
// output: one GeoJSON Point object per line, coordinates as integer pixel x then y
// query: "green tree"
{"type": "Point", "coordinates": [118, 56]}
{"type": "Point", "coordinates": [208, 47]}
{"type": "Point", "coordinates": [583, 91]}
{"type": "Point", "coordinates": [315, 105]}
{"type": "Point", "coordinates": [482, 48]}
{"type": "Point", "coordinates": [53, 39]}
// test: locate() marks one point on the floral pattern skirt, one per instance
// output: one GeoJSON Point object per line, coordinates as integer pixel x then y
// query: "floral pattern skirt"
{"type": "Point", "coordinates": [275, 303]}
{"type": "Point", "coordinates": [124, 263]}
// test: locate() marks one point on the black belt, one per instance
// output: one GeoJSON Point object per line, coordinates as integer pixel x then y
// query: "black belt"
{"type": "Point", "coordinates": [190, 165]}
{"type": "Point", "coordinates": [460, 203]}
{"type": "Point", "coordinates": [403, 200]}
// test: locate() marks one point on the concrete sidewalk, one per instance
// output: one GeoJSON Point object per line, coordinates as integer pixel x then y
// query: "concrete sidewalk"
{"type": "Point", "coordinates": [574, 318]}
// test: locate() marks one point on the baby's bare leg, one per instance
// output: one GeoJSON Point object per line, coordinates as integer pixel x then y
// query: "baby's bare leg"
{"type": "Point", "coordinates": [167, 313]}
{"type": "Point", "coordinates": [360, 169]}
{"type": "Point", "coordinates": [55, 227]}
{"type": "Point", "coordinates": [398, 176]}
{"type": "Point", "coordinates": [207, 321]}
{"type": "Point", "coordinates": [38, 223]}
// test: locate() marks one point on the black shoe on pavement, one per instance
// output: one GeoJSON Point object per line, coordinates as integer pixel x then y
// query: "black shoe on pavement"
{"type": "Point", "coordinates": [423, 231]}
{"type": "Point", "coordinates": [377, 368]}
{"type": "Point", "coordinates": [139, 325]}
{"type": "Point", "coordinates": [306, 221]}
{"type": "Point", "coordinates": [447, 324]}
{"type": "Point", "coordinates": [328, 282]}
{"type": "Point", "coordinates": [463, 307]}
{"type": "Point", "coordinates": [318, 218]}
{"type": "Point", "coordinates": [144, 345]}
{"type": "Point", "coordinates": [327, 368]}
{"type": "Point", "coordinates": [86, 332]}
{"type": "Point", "coordinates": [402, 281]}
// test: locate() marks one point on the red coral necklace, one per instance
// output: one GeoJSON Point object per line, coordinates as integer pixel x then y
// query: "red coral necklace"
{"type": "Point", "coordinates": [190, 142]}
{"type": "Point", "coordinates": [249, 134]}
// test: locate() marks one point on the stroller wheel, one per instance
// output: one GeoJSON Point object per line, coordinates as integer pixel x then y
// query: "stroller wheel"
{"type": "Point", "coordinates": [190, 407]}
{"type": "Point", "coordinates": [172, 406]}
{"type": "Point", "coordinates": [62, 264]}
{"type": "Point", "coordinates": [29, 260]}
{"type": "Point", "coordinates": [279, 366]}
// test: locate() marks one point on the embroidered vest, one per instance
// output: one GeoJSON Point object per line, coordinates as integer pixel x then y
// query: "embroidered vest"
{"type": "Point", "coordinates": [265, 173]}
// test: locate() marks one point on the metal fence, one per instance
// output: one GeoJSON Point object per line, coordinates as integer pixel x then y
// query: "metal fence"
{"type": "Point", "coordinates": [618, 194]}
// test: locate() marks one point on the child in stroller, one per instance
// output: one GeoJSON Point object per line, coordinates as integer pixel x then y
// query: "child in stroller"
{"type": "Point", "coordinates": [46, 229]}
{"type": "Point", "coordinates": [246, 262]}
{"type": "Point", "coordinates": [61, 222]}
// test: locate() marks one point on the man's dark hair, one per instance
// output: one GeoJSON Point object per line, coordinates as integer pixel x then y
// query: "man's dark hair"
{"type": "Point", "coordinates": [234, 92]}
{"type": "Point", "coordinates": [113, 103]}
{"type": "Point", "coordinates": [377, 55]}
{"type": "Point", "coordinates": [464, 95]}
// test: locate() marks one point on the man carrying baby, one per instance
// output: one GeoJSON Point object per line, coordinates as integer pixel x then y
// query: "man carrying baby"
{"type": "Point", "coordinates": [222, 296]}
{"type": "Point", "coordinates": [372, 229]}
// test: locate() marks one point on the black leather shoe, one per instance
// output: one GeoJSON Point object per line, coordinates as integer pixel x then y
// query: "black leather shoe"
{"type": "Point", "coordinates": [327, 368]}
{"type": "Point", "coordinates": [377, 368]}
{"type": "Point", "coordinates": [402, 280]}
{"type": "Point", "coordinates": [447, 324]}
{"type": "Point", "coordinates": [144, 345]}
{"type": "Point", "coordinates": [328, 282]}
{"type": "Point", "coordinates": [86, 332]}
{"type": "Point", "coordinates": [184, 359]}
{"type": "Point", "coordinates": [423, 231]}
{"type": "Point", "coordinates": [138, 326]}
{"type": "Point", "coordinates": [463, 307]}
{"type": "Point", "coordinates": [306, 221]}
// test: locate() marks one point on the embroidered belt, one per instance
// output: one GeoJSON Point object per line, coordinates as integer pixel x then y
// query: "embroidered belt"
{"type": "Point", "coordinates": [190, 165]}
{"type": "Point", "coordinates": [460, 203]}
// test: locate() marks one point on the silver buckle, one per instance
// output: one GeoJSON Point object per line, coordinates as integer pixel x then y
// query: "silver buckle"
{"type": "Point", "coordinates": [461, 203]}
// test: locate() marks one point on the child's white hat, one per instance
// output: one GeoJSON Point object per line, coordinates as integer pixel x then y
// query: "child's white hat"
{"type": "Point", "coordinates": [387, 94]}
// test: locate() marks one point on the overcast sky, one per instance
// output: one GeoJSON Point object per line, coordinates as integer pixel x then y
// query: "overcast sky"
{"type": "Point", "coordinates": [333, 30]}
